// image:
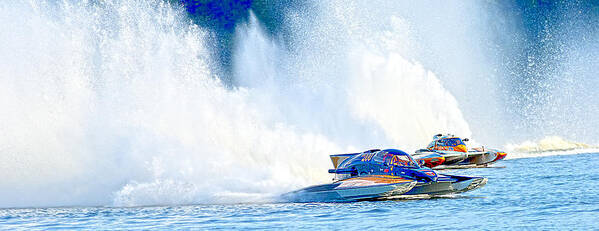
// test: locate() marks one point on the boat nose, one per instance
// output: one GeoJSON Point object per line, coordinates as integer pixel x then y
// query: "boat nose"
{"type": "Point", "coordinates": [501, 155]}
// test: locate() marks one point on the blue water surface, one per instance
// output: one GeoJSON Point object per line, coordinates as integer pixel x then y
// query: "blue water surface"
{"type": "Point", "coordinates": [545, 193]}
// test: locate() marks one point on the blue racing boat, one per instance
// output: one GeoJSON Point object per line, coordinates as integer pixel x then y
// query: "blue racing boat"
{"type": "Point", "coordinates": [382, 174]}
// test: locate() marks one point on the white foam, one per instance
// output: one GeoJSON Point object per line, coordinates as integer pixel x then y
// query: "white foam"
{"type": "Point", "coordinates": [116, 103]}
{"type": "Point", "coordinates": [548, 146]}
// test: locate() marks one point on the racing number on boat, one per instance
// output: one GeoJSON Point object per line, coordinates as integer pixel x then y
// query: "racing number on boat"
{"type": "Point", "coordinates": [367, 157]}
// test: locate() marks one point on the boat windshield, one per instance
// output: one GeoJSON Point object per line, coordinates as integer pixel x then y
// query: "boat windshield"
{"type": "Point", "coordinates": [381, 157]}
{"type": "Point", "coordinates": [399, 160]}
{"type": "Point", "coordinates": [452, 142]}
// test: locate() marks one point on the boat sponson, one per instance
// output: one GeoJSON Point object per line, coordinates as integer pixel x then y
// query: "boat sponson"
{"type": "Point", "coordinates": [358, 188]}
{"type": "Point", "coordinates": [457, 184]}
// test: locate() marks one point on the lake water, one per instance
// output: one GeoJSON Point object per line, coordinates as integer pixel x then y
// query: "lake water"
{"type": "Point", "coordinates": [554, 192]}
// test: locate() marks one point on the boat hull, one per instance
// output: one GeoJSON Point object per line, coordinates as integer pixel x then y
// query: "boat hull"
{"type": "Point", "coordinates": [455, 184]}
{"type": "Point", "coordinates": [449, 157]}
{"type": "Point", "coordinates": [353, 189]}
{"type": "Point", "coordinates": [453, 158]}
{"type": "Point", "coordinates": [480, 158]}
